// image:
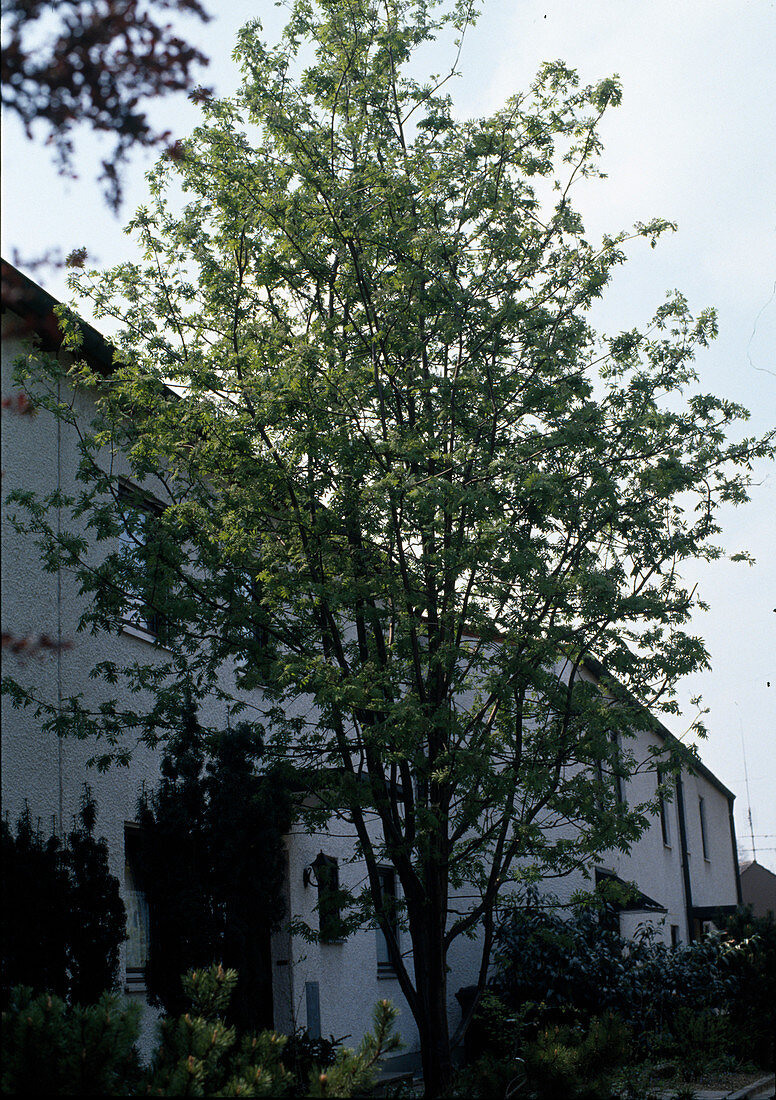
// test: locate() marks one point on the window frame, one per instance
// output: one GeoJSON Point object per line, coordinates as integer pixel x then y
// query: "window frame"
{"type": "Point", "coordinates": [329, 902]}
{"type": "Point", "coordinates": [619, 781]}
{"type": "Point", "coordinates": [611, 773]}
{"type": "Point", "coordinates": [385, 967]}
{"type": "Point", "coordinates": [665, 823]}
{"type": "Point", "coordinates": [704, 828]}
{"type": "Point", "coordinates": [137, 910]}
{"type": "Point", "coordinates": [140, 618]}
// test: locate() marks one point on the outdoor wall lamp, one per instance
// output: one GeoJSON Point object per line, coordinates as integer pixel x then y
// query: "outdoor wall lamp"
{"type": "Point", "coordinates": [318, 870]}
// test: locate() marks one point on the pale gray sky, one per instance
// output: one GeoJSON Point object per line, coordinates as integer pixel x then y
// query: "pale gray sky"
{"type": "Point", "coordinates": [694, 141]}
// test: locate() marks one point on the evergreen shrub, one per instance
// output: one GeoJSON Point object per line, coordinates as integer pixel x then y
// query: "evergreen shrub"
{"type": "Point", "coordinates": [53, 1048]}
{"type": "Point", "coordinates": [213, 866]}
{"type": "Point", "coordinates": [575, 1064]}
{"type": "Point", "coordinates": [198, 1054]}
{"type": "Point", "coordinates": [62, 921]}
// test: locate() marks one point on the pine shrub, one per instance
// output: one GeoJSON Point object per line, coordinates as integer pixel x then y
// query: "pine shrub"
{"type": "Point", "coordinates": [51, 1048]}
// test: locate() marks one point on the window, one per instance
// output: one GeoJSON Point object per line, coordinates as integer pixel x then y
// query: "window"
{"type": "Point", "coordinates": [674, 935]}
{"type": "Point", "coordinates": [326, 872]}
{"type": "Point", "coordinates": [704, 836]}
{"type": "Point", "coordinates": [615, 769]}
{"type": "Point", "coordinates": [138, 922]}
{"type": "Point", "coordinates": [246, 622]}
{"type": "Point", "coordinates": [619, 787]}
{"type": "Point", "coordinates": [387, 877]}
{"type": "Point", "coordinates": [146, 581]}
{"type": "Point", "coordinates": [665, 824]}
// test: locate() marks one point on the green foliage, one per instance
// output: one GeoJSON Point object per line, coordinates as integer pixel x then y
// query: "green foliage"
{"type": "Point", "coordinates": [554, 1063]}
{"type": "Point", "coordinates": [491, 1076]}
{"type": "Point", "coordinates": [500, 1029]}
{"type": "Point", "coordinates": [212, 859]}
{"type": "Point", "coordinates": [303, 1056]}
{"type": "Point", "coordinates": [575, 966]}
{"type": "Point", "coordinates": [96, 918]}
{"type": "Point", "coordinates": [567, 1062]}
{"type": "Point", "coordinates": [699, 1041]}
{"type": "Point", "coordinates": [403, 479]}
{"type": "Point", "coordinates": [354, 1072]}
{"type": "Point", "coordinates": [198, 1055]}
{"type": "Point", "coordinates": [608, 1044]}
{"type": "Point", "coordinates": [752, 962]}
{"type": "Point", "coordinates": [563, 1060]}
{"type": "Point", "coordinates": [34, 936]}
{"type": "Point", "coordinates": [494, 1045]}
{"type": "Point", "coordinates": [706, 1005]}
{"type": "Point", "coordinates": [50, 1048]}
{"type": "Point", "coordinates": [208, 992]}
{"type": "Point", "coordinates": [63, 920]}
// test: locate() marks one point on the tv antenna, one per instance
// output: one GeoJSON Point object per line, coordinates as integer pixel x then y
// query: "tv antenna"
{"type": "Point", "coordinates": [748, 795]}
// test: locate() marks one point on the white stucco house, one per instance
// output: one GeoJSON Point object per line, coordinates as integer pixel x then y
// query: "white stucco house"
{"type": "Point", "coordinates": [684, 866]}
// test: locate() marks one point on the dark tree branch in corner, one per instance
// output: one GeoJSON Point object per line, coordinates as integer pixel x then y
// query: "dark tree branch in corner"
{"type": "Point", "coordinates": [95, 62]}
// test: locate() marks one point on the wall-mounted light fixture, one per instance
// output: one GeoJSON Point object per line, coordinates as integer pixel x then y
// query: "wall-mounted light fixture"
{"type": "Point", "coordinates": [320, 870]}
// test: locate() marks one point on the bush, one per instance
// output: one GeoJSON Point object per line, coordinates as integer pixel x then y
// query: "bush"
{"type": "Point", "coordinates": [55, 1049]}
{"type": "Point", "coordinates": [578, 967]}
{"type": "Point", "coordinates": [497, 1028]}
{"type": "Point", "coordinates": [50, 1048]}
{"type": "Point", "coordinates": [751, 960]}
{"type": "Point", "coordinates": [490, 1077]}
{"type": "Point", "coordinates": [701, 1041]}
{"type": "Point", "coordinates": [304, 1055]}
{"type": "Point", "coordinates": [705, 1004]}
{"type": "Point", "coordinates": [572, 966]}
{"type": "Point", "coordinates": [564, 1061]}
{"type": "Point", "coordinates": [212, 865]}
{"type": "Point", "coordinates": [353, 1073]}
{"type": "Point", "coordinates": [199, 1054]}
{"type": "Point", "coordinates": [494, 1044]}
{"type": "Point", "coordinates": [34, 935]}
{"type": "Point", "coordinates": [553, 1062]}
{"type": "Point", "coordinates": [63, 919]}
{"type": "Point", "coordinates": [607, 1045]}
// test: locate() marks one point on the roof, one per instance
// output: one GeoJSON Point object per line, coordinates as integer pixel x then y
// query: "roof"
{"type": "Point", "coordinates": [695, 766]}
{"type": "Point", "coordinates": [637, 902]}
{"type": "Point", "coordinates": [753, 865]}
{"type": "Point", "coordinates": [36, 307]}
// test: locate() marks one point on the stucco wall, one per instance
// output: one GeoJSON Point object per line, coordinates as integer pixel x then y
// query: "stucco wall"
{"type": "Point", "coordinates": [712, 876]}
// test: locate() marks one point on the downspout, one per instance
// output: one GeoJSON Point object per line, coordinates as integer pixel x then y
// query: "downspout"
{"type": "Point", "coordinates": [685, 860]}
{"type": "Point", "coordinates": [739, 895]}
{"type": "Point", "coordinates": [60, 746]}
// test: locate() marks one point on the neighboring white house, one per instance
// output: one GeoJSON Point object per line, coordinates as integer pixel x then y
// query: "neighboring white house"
{"type": "Point", "coordinates": [684, 866]}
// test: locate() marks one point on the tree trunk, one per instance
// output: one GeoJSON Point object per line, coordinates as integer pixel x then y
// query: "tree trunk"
{"type": "Point", "coordinates": [431, 985]}
{"type": "Point", "coordinates": [435, 1047]}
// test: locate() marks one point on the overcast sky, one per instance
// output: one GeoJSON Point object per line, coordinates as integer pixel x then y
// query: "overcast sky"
{"type": "Point", "coordinates": [695, 142]}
